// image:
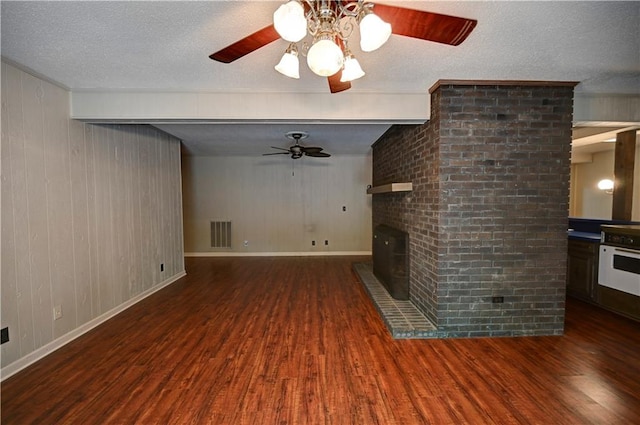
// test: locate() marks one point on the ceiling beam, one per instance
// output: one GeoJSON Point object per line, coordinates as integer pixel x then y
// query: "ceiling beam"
{"type": "Point", "coordinates": [176, 107]}
{"type": "Point", "coordinates": [589, 135]}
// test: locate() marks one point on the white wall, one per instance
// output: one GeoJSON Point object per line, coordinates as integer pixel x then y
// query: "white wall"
{"type": "Point", "coordinates": [88, 215]}
{"type": "Point", "coordinates": [586, 199]}
{"type": "Point", "coordinates": [275, 211]}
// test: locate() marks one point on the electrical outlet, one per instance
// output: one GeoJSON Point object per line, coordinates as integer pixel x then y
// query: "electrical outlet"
{"type": "Point", "coordinates": [246, 243]}
{"type": "Point", "coordinates": [344, 208]}
{"type": "Point", "coordinates": [313, 243]}
{"type": "Point", "coordinates": [57, 312]}
{"type": "Point", "coordinates": [4, 335]}
{"type": "Point", "coordinates": [161, 267]}
{"type": "Point", "coordinates": [326, 242]}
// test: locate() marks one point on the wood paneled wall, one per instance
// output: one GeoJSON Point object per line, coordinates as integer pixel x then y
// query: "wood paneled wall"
{"type": "Point", "coordinates": [278, 205]}
{"type": "Point", "coordinates": [89, 213]}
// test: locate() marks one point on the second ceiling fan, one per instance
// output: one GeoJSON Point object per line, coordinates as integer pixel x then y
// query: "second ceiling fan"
{"type": "Point", "coordinates": [297, 151]}
{"type": "Point", "coordinates": [331, 23]}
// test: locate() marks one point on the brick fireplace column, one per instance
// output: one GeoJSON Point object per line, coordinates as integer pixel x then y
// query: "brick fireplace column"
{"type": "Point", "coordinates": [487, 217]}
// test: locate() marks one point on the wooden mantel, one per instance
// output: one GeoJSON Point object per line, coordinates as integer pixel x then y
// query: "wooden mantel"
{"type": "Point", "coordinates": [391, 187]}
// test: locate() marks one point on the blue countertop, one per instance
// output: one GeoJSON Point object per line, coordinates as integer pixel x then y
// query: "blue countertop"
{"type": "Point", "coordinates": [584, 236]}
{"type": "Point", "coordinates": [588, 229]}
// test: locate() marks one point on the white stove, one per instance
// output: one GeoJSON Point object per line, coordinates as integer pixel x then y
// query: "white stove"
{"type": "Point", "coordinates": [619, 263]}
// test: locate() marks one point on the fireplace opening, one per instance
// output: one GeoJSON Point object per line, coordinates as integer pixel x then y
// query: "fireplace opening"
{"type": "Point", "coordinates": [390, 251]}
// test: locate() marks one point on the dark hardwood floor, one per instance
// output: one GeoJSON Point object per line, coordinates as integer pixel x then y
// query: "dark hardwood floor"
{"type": "Point", "coordinates": [297, 341]}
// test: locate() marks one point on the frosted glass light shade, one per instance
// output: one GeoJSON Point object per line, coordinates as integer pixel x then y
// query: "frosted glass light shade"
{"type": "Point", "coordinates": [325, 58]}
{"type": "Point", "coordinates": [374, 32]}
{"type": "Point", "coordinates": [352, 70]}
{"type": "Point", "coordinates": [289, 21]}
{"type": "Point", "coordinates": [606, 185]}
{"type": "Point", "coordinates": [289, 65]}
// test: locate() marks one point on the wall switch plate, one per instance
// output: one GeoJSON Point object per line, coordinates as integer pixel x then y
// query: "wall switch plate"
{"type": "Point", "coordinates": [4, 335]}
{"type": "Point", "coordinates": [246, 243]}
{"type": "Point", "coordinates": [57, 312]}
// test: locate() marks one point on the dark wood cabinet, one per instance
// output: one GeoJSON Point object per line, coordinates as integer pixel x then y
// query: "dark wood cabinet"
{"type": "Point", "coordinates": [582, 281]}
{"type": "Point", "coordinates": [582, 270]}
{"type": "Point", "coordinates": [620, 302]}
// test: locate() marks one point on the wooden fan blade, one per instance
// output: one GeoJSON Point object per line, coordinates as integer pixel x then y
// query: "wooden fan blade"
{"type": "Point", "coordinates": [318, 154]}
{"type": "Point", "coordinates": [311, 148]}
{"type": "Point", "coordinates": [247, 45]}
{"type": "Point", "coordinates": [335, 85]}
{"type": "Point", "coordinates": [276, 153]}
{"type": "Point", "coordinates": [429, 26]}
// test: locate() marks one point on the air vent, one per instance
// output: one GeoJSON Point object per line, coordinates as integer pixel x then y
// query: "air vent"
{"type": "Point", "coordinates": [220, 234]}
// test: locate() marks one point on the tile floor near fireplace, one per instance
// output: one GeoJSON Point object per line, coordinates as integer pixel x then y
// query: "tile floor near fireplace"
{"type": "Point", "coordinates": [402, 318]}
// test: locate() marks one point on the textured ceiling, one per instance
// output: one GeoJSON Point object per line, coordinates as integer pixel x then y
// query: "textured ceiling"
{"type": "Point", "coordinates": [163, 45]}
{"type": "Point", "coordinates": [255, 139]}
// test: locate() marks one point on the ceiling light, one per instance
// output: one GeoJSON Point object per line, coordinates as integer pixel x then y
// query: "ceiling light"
{"type": "Point", "coordinates": [289, 65]}
{"type": "Point", "coordinates": [290, 22]}
{"type": "Point", "coordinates": [325, 57]}
{"type": "Point", "coordinates": [330, 23]}
{"type": "Point", "coordinates": [374, 32]}
{"type": "Point", "coordinates": [352, 70]}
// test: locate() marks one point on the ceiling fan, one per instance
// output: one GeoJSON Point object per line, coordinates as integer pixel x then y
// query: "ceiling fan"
{"type": "Point", "coordinates": [297, 151]}
{"type": "Point", "coordinates": [331, 23]}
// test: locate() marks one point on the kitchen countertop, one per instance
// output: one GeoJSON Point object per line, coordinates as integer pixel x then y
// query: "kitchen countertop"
{"type": "Point", "coordinates": [584, 236]}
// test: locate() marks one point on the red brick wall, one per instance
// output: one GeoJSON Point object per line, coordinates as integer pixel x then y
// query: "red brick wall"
{"type": "Point", "coordinates": [488, 213]}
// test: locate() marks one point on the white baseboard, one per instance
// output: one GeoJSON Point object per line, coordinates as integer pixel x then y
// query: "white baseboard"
{"type": "Point", "coordinates": [276, 254]}
{"type": "Point", "coordinates": [47, 349]}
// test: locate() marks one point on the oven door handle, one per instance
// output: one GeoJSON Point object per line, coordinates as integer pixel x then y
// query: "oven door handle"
{"type": "Point", "coordinates": [636, 254]}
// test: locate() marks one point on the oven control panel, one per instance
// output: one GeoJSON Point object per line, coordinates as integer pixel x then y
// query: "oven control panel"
{"type": "Point", "coordinates": [624, 241]}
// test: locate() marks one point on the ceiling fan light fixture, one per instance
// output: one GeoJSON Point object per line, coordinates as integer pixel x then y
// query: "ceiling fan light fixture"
{"type": "Point", "coordinates": [289, 65]}
{"type": "Point", "coordinates": [374, 32]}
{"type": "Point", "coordinates": [332, 23]}
{"type": "Point", "coordinates": [352, 69]}
{"type": "Point", "coordinates": [290, 22]}
{"type": "Point", "coordinates": [325, 57]}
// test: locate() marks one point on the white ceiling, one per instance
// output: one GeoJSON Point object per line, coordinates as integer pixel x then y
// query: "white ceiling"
{"type": "Point", "coordinates": [255, 139]}
{"type": "Point", "coordinates": [164, 45]}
